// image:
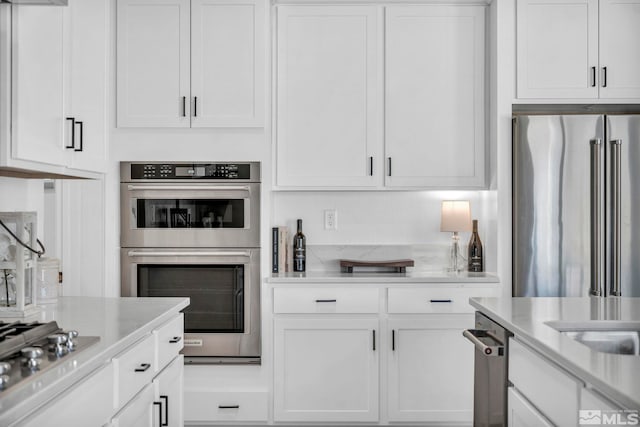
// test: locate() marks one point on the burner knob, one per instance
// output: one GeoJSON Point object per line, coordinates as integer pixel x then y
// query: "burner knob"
{"type": "Point", "coordinates": [71, 344]}
{"type": "Point", "coordinates": [32, 354]}
{"type": "Point", "coordinates": [57, 341]}
{"type": "Point", "coordinates": [4, 381]}
{"type": "Point", "coordinates": [4, 368]}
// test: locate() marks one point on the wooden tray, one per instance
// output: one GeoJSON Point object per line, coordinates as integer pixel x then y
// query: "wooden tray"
{"type": "Point", "coordinates": [397, 266]}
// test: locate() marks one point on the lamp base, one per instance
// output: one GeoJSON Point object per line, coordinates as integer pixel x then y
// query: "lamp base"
{"type": "Point", "coordinates": [456, 261]}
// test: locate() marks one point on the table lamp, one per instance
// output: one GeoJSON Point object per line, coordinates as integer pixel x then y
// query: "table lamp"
{"type": "Point", "coordinates": [456, 217]}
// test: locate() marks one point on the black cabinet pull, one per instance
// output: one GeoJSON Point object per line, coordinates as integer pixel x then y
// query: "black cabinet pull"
{"type": "Point", "coordinates": [393, 340]}
{"type": "Point", "coordinates": [374, 340]}
{"type": "Point", "coordinates": [73, 133]}
{"type": "Point", "coordinates": [604, 76]}
{"type": "Point", "coordinates": [440, 300]}
{"type": "Point", "coordinates": [326, 300]}
{"type": "Point", "coordinates": [371, 166]}
{"type": "Point", "coordinates": [228, 406]}
{"type": "Point", "coordinates": [175, 340]}
{"type": "Point", "coordinates": [81, 136]}
{"type": "Point", "coordinates": [143, 367]}
{"type": "Point", "coordinates": [184, 106]}
{"type": "Point", "coordinates": [195, 106]}
{"type": "Point", "coordinates": [159, 404]}
{"type": "Point", "coordinates": [389, 159]}
{"type": "Point", "coordinates": [593, 76]}
{"type": "Point", "coordinates": [166, 411]}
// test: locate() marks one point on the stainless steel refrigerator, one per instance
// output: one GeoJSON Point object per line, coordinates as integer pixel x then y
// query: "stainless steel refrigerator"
{"type": "Point", "coordinates": [576, 205]}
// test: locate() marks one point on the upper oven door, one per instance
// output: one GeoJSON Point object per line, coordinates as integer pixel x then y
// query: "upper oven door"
{"type": "Point", "coordinates": [190, 215]}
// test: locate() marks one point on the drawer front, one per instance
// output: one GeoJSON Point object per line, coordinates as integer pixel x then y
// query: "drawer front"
{"type": "Point", "coordinates": [134, 369]}
{"type": "Point", "coordinates": [541, 382]}
{"type": "Point", "coordinates": [434, 300]}
{"type": "Point", "coordinates": [325, 300]}
{"type": "Point", "coordinates": [211, 406]}
{"type": "Point", "coordinates": [137, 412]}
{"type": "Point", "coordinates": [169, 341]}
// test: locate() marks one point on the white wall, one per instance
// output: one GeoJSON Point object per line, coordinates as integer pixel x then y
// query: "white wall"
{"type": "Point", "coordinates": [18, 195]}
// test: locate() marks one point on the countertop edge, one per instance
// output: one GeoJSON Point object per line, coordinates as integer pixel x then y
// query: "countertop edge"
{"type": "Point", "coordinates": [585, 376]}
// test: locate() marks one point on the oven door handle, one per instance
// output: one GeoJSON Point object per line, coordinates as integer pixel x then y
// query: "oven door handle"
{"type": "Point", "coordinates": [192, 253]}
{"type": "Point", "coordinates": [169, 187]}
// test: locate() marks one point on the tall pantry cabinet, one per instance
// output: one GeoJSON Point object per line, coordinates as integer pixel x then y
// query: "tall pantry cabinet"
{"type": "Point", "coordinates": [191, 63]}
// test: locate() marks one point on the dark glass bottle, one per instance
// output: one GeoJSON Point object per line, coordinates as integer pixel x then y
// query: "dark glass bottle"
{"type": "Point", "coordinates": [299, 250]}
{"type": "Point", "coordinates": [476, 259]}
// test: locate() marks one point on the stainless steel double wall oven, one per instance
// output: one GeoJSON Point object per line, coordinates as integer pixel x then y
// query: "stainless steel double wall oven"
{"type": "Point", "coordinates": [193, 230]}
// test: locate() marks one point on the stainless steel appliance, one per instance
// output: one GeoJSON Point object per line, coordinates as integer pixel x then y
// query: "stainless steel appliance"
{"type": "Point", "coordinates": [576, 204]}
{"type": "Point", "coordinates": [193, 230]}
{"type": "Point", "coordinates": [29, 349]}
{"type": "Point", "coordinates": [490, 372]}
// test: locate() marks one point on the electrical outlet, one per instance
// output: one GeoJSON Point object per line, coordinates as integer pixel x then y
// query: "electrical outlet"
{"type": "Point", "coordinates": [330, 219]}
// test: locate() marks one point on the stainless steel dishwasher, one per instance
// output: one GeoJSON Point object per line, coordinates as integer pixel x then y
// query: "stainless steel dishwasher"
{"type": "Point", "coordinates": [490, 372]}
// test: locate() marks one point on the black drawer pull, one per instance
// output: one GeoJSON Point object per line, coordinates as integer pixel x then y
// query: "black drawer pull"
{"type": "Point", "coordinates": [166, 411]}
{"type": "Point", "coordinates": [159, 404]}
{"type": "Point", "coordinates": [440, 300]}
{"type": "Point", "coordinates": [393, 340]}
{"type": "Point", "coordinates": [326, 300]}
{"type": "Point", "coordinates": [175, 340]}
{"type": "Point", "coordinates": [143, 367]}
{"type": "Point", "coordinates": [228, 406]}
{"type": "Point", "coordinates": [374, 339]}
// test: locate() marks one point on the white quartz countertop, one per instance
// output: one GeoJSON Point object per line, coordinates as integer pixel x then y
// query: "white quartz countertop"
{"type": "Point", "coordinates": [616, 376]}
{"type": "Point", "coordinates": [369, 277]}
{"type": "Point", "coordinates": [119, 322]}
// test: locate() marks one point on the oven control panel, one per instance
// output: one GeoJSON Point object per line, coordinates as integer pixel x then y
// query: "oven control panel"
{"type": "Point", "coordinates": [222, 171]}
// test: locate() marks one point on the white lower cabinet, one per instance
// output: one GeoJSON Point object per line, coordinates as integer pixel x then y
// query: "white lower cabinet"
{"type": "Point", "coordinates": [91, 401]}
{"type": "Point", "coordinates": [326, 368]}
{"type": "Point", "coordinates": [334, 346]}
{"type": "Point", "coordinates": [168, 390]}
{"type": "Point", "coordinates": [430, 369]}
{"type": "Point", "coordinates": [549, 388]}
{"type": "Point", "coordinates": [138, 412]}
{"type": "Point", "coordinates": [226, 406]}
{"type": "Point", "coordinates": [522, 413]}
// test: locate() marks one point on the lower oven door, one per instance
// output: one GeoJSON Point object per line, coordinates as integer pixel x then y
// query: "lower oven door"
{"type": "Point", "coordinates": [223, 319]}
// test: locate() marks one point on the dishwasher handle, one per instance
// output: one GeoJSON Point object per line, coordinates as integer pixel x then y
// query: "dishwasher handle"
{"type": "Point", "coordinates": [485, 341]}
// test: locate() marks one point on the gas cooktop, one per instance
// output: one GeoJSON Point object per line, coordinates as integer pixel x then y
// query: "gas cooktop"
{"type": "Point", "coordinates": [28, 349]}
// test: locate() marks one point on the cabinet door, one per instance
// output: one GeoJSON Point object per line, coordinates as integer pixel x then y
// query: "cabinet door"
{"type": "Point", "coordinates": [87, 81]}
{"type": "Point", "coordinates": [138, 412]}
{"type": "Point", "coordinates": [153, 63]}
{"type": "Point", "coordinates": [430, 369]}
{"type": "Point", "coordinates": [557, 49]}
{"type": "Point", "coordinates": [168, 391]}
{"type": "Point", "coordinates": [522, 413]}
{"type": "Point", "coordinates": [619, 35]}
{"type": "Point", "coordinates": [38, 84]}
{"type": "Point", "coordinates": [227, 62]}
{"type": "Point", "coordinates": [326, 369]}
{"type": "Point", "coordinates": [434, 96]}
{"type": "Point", "coordinates": [328, 96]}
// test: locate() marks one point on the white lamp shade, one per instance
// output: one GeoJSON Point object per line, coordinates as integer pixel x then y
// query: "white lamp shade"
{"type": "Point", "coordinates": [456, 215]}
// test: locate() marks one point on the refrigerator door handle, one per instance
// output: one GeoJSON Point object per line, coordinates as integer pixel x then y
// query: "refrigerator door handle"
{"type": "Point", "coordinates": [616, 218]}
{"type": "Point", "coordinates": [597, 196]}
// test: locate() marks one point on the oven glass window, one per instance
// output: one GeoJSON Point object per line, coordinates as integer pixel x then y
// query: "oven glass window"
{"type": "Point", "coordinates": [216, 292]}
{"type": "Point", "coordinates": [190, 213]}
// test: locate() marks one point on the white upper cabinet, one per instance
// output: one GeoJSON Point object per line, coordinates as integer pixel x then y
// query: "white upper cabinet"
{"type": "Point", "coordinates": [328, 96]}
{"type": "Point", "coordinates": [88, 32]}
{"type": "Point", "coordinates": [620, 48]}
{"type": "Point", "coordinates": [190, 63]}
{"type": "Point", "coordinates": [578, 49]}
{"type": "Point", "coordinates": [153, 57]}
{"type": "Point", "coordinates": [58, 79]}
{"type": "Point", "coordinates": [375, 96]}
{"type": "Point", "coordinates": [37, 57]}
{"type": "Point", "coordinates": [434, 96]}
{"type": "Point", "coordinates": [227, 63]}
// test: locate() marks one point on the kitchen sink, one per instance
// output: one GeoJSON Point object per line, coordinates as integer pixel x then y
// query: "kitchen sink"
{"type": "Point", "coordinates": [606, 336]}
